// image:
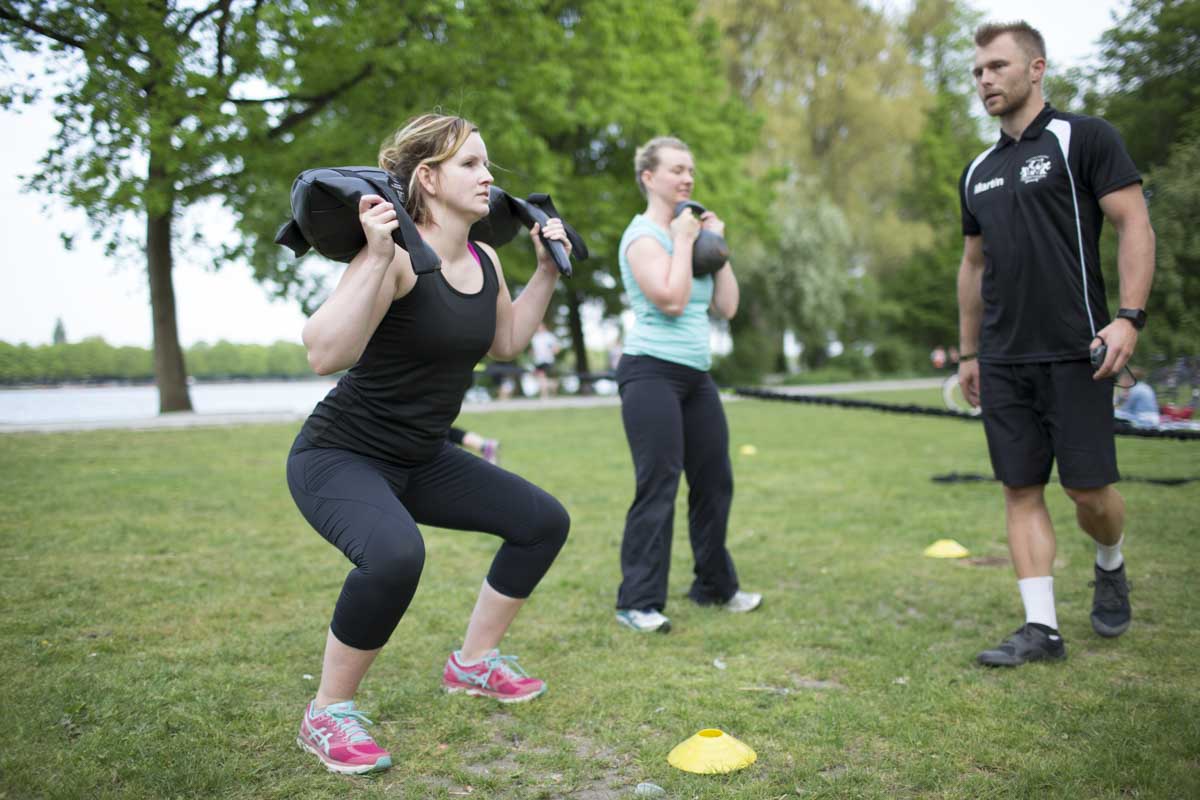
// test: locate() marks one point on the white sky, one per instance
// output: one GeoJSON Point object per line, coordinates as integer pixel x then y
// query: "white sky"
{"type": "Point", "coordinates": [41, 282]}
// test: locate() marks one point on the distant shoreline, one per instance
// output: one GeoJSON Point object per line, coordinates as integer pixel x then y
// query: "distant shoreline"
{"type": "Point", "coordinates": [102, 384]}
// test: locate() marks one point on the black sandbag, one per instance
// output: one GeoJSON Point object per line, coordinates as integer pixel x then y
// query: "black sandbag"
{"type": "Point", "coordinates": [325, 215]}
{"type": "Point", "coordinates": [507, 214]}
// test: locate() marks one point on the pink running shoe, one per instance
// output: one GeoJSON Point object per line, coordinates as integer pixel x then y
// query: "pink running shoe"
{"type": "Point", "coordinates": [493, 676]}
{"type": "Point", "coordinates": [336, 736]}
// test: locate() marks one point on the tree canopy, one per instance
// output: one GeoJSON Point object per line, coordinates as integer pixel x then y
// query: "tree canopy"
{"type": "Point", "coordinates": [562, 114]}
{"type": "Point", "coordinates": [162, 104]}
{"type": "Point", "coordinates": [229, 101]}
{"type": "Point", "coordinates": [1151, 57]}
{"type": "Point", "coordinates": [830, 135]}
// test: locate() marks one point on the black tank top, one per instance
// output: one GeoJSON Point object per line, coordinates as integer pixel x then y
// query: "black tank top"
{"type": "Point", "coordinates": [398, 401]}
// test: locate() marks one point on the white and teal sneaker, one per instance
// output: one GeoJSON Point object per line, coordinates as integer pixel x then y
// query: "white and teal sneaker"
{"type": "Point", "coordinates": [648, 621]}
{"type": "Point", "coordinates": [742, 602]}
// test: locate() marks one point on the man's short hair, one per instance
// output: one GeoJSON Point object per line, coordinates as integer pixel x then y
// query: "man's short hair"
{"type": "Point", "coordinates": [1028, 38]}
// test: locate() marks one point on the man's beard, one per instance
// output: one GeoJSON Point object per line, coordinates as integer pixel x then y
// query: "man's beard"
{"type": "Point", "coordinates": [1010, 103]}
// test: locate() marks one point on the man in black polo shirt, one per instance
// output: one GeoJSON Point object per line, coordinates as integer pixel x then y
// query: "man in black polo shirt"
{"type": "Point", "coordinates": [1032, 310]}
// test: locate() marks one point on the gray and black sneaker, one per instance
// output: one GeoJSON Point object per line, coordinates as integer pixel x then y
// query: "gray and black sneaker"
{"type": "Point", "coordinates": [1030, 642]}
{"type": "Point", "coordinates": [1110, 602]}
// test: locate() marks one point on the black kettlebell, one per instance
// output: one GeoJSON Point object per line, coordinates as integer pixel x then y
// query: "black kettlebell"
{"type": "Point", "coordinates": [710, 252]}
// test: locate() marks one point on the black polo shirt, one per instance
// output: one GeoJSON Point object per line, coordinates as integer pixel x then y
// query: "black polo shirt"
{"type": "Point", "coordinates": [1040, 238]}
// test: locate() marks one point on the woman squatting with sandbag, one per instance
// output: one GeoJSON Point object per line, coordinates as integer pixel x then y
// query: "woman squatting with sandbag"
{"type": "Point", "coordinates": [373, 461]}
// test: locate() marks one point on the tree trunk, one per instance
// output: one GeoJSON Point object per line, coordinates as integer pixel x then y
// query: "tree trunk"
{"type": "Point", "coordinates": [169, 370]}
{"type": "Point", "coordinates": [757, 344]}
{"type": "Point", "coordinates": [578, 345]}
{"type": "Point", "coordinates": [816, 353]}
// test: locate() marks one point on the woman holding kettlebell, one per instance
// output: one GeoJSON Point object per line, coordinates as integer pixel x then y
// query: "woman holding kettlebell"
{"type": "Point", "coordinates": [373, 460]}
{"type": "Point", "coordinates": [669, 403]}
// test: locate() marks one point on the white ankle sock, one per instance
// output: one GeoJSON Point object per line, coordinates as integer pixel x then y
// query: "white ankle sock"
{"type": "Point", "coordinates": [1038, 596]}
{"type": "Point", "coordinates": [1108, 557]}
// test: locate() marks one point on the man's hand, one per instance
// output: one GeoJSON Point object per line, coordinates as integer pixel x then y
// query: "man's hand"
{"type": "Point", "coordinates": [968, 380]}
{"type": "Point", "coordinates": [1121, 338]}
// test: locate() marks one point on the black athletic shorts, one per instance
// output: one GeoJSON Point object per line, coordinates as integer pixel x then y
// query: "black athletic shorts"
{"type": "Point", "coordinates": [1036, 414]}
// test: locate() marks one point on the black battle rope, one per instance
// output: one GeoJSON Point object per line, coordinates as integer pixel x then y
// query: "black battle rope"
{"type": "Point", "coordinates": [1119, 428]}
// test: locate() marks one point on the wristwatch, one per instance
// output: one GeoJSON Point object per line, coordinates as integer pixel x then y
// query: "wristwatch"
{"type": "Point", "coordinates": [1135, 315]}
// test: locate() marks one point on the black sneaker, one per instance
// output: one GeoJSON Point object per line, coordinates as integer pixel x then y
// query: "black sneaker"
{"type": "Point", "coordinates": [1110, 602]}
{"type": "Point", "coordinates": [1030, 642]}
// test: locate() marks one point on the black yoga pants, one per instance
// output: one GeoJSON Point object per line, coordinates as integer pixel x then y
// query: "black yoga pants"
{"type": "Point", "coordinates": [369, 509]}
{"type": "Point", "coordinates": [675, 424]}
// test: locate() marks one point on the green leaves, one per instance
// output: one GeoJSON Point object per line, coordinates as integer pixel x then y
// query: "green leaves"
{"type": "Point", "coordinates": [563, 94]}
{"type": "Point", "coordinates": [1174, 304]}
{"type": "Point", "coordinates": [1152, 57]}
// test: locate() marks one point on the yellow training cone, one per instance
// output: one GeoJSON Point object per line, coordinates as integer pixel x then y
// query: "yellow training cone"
{"type": "Point", "coordinates": [946, 548]}
{"type": "Point", "coordinates": [711, 751]}
{"type": "Point", "coordinates": [748, 450]}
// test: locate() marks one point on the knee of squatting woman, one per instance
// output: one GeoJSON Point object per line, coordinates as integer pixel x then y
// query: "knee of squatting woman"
{"type": "Point", "coordinates": [373, 460]}
{"type": "Point", "coordinates": [672, 412]}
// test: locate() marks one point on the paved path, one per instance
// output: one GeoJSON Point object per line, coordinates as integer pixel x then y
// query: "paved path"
{"type": "Point", "coordinates": [189, 419]}
{"type": "Point", "coordinates": [861, 386]}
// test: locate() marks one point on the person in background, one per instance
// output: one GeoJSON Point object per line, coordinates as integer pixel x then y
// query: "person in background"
{"type": "Point", "coordinates": [487, 449]}
{"type": "Point", "coordinates": [1139, 403]}
{"type": "Point", "coordinates": [672, 412]}
{"type": "Point", "coordinates": [544, 349]}
{"type": "Point", "coordinates": [615, 349]}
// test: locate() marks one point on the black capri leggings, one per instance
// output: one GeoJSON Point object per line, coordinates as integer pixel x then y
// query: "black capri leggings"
{"type": "Point", "coordinates": [369, 509]}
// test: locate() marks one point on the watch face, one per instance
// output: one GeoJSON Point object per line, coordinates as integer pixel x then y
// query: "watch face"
{"type": "Point", "coordinates": [1135, 315]}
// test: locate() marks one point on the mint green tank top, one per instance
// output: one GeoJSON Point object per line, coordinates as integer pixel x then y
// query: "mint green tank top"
{"type": "Point", "coordinates": [681, 340]}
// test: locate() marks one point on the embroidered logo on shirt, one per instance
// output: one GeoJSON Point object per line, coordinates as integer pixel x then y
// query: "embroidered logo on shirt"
{"type": "Point", "coordinates": [1036, 168]}
{"type": "Point", "coordinates": [983, 186]}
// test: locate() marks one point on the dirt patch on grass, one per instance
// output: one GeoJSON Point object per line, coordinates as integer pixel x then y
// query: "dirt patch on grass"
{"type": "Point", "coordinates": [599, 772]}
{"type": "Point", "coordinates": [505, 765]}
{"type": "Point", "coordinates": [986, 561]}
{"type": "Point", "coordinates": [613, 772]}
{"type": "Point", "coordinates": [814, 684]}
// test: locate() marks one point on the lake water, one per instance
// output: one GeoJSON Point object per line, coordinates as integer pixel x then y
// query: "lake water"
{"type": "Point", "coordinates": [95, 403]}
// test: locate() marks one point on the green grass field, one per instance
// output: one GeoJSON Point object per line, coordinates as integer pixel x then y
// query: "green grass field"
{"type": "Point", "coordinates": [164, 609]}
